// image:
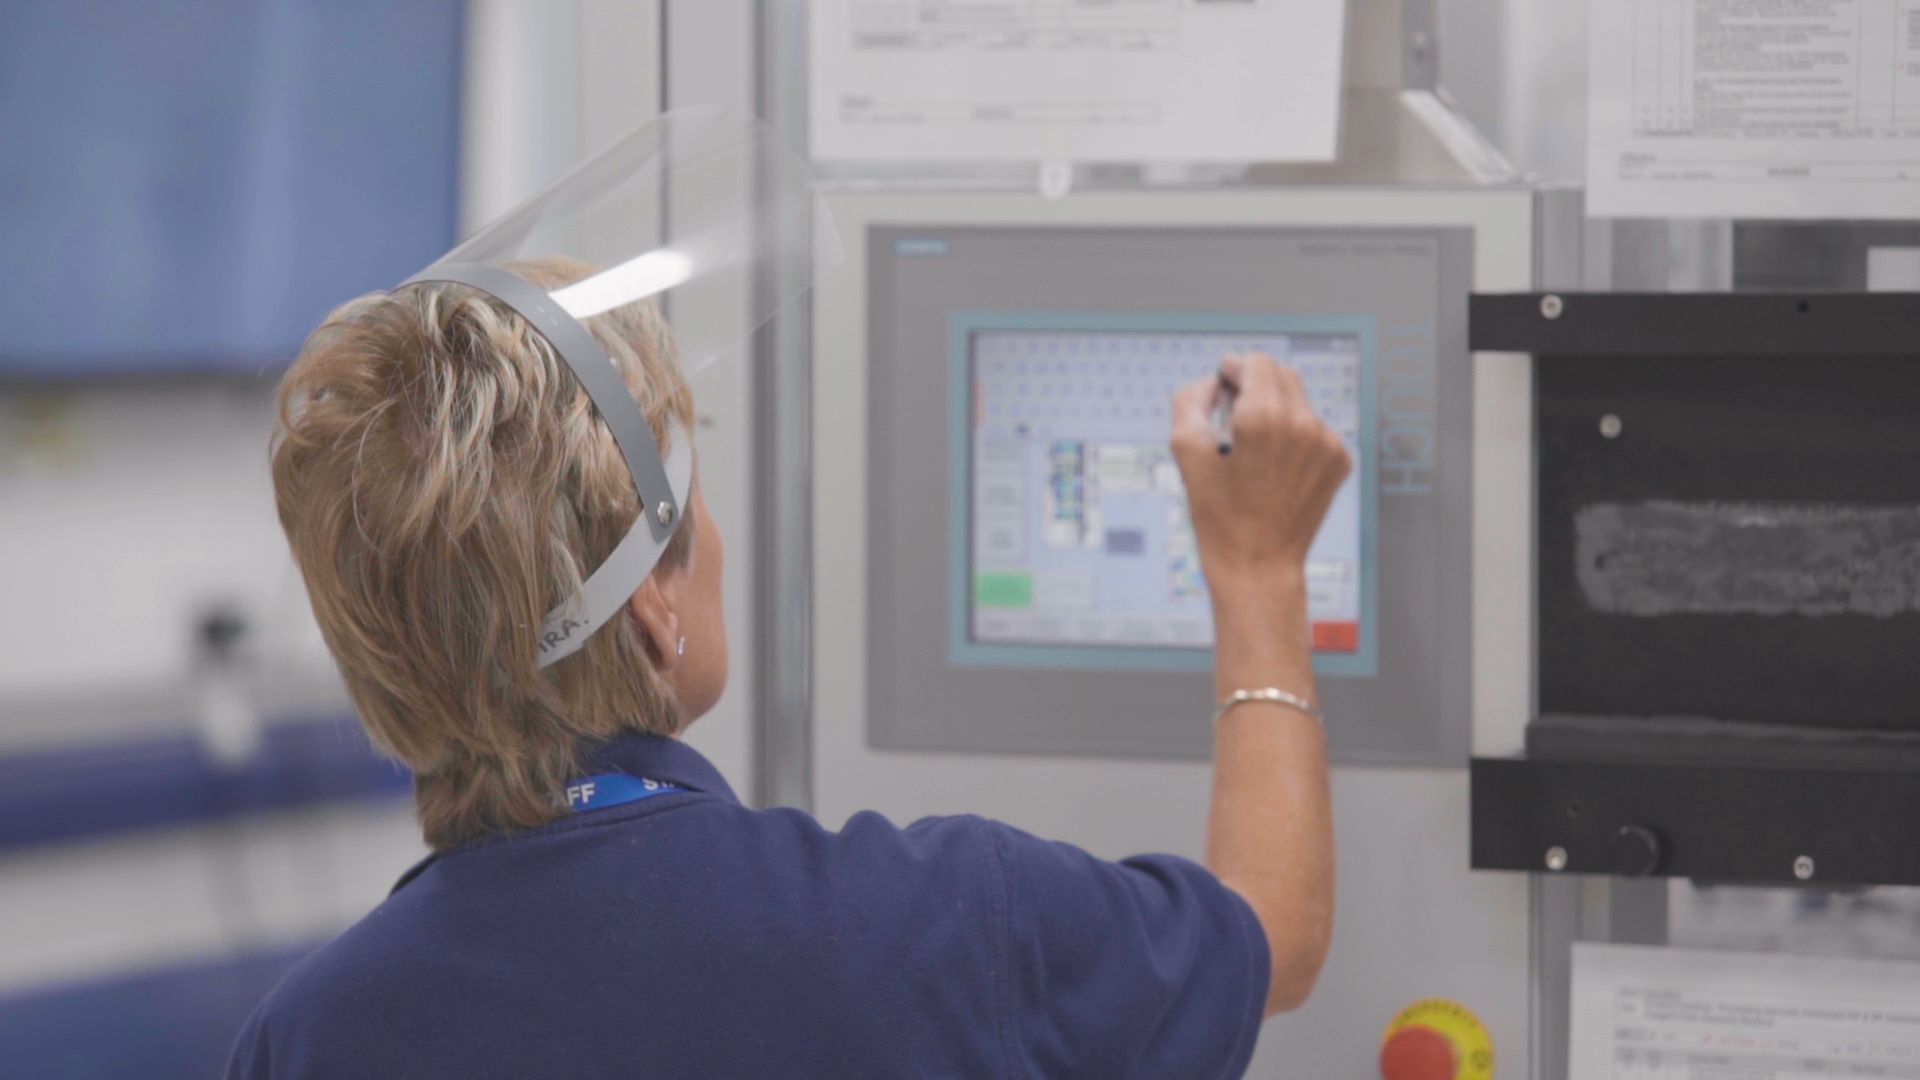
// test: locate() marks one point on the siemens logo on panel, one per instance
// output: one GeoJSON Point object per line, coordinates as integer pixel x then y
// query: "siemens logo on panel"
{"type": "Point", "coordinates": [908, 246]}
{"type": "Point", "coordinates": [1408, 395]}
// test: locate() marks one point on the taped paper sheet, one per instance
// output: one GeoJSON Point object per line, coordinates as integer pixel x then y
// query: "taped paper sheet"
{"type": "Point", "coordinates": [1754, 108]}
{"type": "Point", "coordinates": [1076, 80]}
{"type": "Point", "coordinates": [1653, 1013]}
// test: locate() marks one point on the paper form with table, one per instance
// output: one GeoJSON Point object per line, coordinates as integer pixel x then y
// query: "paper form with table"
{"type": "Point", "coordinates": [1076, 80]}
{"type": "Point", "coordinates": [1653, 1013]}
{"type": "Point", "coordinates": [1736, 108]}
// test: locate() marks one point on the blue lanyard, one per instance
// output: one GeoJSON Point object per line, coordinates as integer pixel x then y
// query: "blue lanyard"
{"type": "Point", "coordinates": [612, 789]}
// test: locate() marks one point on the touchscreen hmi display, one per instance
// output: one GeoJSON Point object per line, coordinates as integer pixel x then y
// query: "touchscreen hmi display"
{"type": "Point", "coordinates": [1080, 537]}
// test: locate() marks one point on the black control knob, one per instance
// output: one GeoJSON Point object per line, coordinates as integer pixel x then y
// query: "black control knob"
{"type": "Point", "coordinates": [1636, 851]}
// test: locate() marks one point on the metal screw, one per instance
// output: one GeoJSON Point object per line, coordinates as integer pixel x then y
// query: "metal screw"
{"type": "Point", "coordinates": [1556, 858]}
{"type": "Point", "coordinates": [1803, 867]}
{"type": "Point", "coordinates": [1551, 306]}
{"type": "Point", "coordinates": [663, 513]}
{"type": "Point", "coordinates": [1610, 426]}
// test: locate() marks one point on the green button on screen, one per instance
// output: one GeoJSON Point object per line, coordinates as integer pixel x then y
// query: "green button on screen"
{"type": "Point", "coordinates": [1003, 590]}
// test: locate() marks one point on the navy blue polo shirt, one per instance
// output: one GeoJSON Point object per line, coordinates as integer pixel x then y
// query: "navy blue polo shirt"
{"type": "Point", "coordinates": [684, 935]}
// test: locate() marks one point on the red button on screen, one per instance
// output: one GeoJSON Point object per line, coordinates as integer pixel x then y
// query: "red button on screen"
{"type": "Point", "coordinates": [1336, 636]}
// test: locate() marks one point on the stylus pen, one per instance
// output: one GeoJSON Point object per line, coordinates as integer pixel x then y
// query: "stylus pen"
{"type": "Point", "coordinates": [1223, 415]}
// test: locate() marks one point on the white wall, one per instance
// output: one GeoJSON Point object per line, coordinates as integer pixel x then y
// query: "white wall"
{"type": "Point", "coordinates": [124, 511]}
{"type": "Point", "coordinates": [1468, 35]}
{"type": "Point", "coordinates": [1518, 69]}
{"type": "Point", "coordinates": [1543, 86]}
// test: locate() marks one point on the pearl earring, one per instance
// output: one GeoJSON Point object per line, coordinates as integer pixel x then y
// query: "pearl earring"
{"type": "Point", "coordinates": [683, 648]}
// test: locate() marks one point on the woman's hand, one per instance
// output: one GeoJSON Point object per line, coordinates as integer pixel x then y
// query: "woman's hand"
{"type": "Point", "coordinates": [1256, 510]}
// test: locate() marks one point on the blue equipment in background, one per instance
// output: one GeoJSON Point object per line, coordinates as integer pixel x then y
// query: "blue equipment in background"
{"type": "Point", "coordinates": [177, 1023]}
{"type": "Point", "coordinates": [191, 186]}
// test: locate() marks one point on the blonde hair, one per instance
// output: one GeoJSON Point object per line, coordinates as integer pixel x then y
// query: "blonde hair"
{"type": "Point", "coordinates": [445, 482]}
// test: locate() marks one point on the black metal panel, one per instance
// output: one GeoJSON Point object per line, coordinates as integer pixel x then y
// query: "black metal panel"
{"type": "Point", "coordinates": [1676, 740]}
{"type": "Point", "coordinates": [1744, 823]}
{"type": "Point", "coordinates": [1698, 324]}
{"type": "Point", "coordinates": [1820, 433]}
{"type": "Point", "coordinates": [1688, 425]}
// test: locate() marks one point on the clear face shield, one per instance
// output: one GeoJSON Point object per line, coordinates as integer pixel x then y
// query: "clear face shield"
{"type": "Point", "coordinates": [705, 214]}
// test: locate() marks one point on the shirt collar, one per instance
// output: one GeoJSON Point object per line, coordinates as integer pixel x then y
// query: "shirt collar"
{"type": "Point", "coordinates": [656, 757]}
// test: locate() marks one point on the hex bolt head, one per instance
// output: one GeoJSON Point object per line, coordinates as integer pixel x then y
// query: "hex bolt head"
{"type": "Point", "coordinates": [1551, 306]}
{"type": "Point", "coordinates": [1556, 858]}
{"type": "Point", "coordinates": [1610, 426]}
{"type": "Point", "coordinates": [663, 513]}
{"type": "Point", "coordinates": [1803, 867]}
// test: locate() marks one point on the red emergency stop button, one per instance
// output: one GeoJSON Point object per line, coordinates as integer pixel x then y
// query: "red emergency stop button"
{"type": "Point", "coordinates": [1436, 1039]}
{"type": "Point", "coordinates": [1417, 1052]}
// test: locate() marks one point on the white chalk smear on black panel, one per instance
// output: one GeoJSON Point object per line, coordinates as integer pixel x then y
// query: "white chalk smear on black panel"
{"type": "Point", "coordinates": [1713, 558]}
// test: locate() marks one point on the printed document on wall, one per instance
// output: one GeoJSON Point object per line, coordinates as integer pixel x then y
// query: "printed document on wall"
{"type": "Point", "coordinates": [1754, 108]}
{"type": "Point", "coordinates": [1076, 80]}
{"type": "Point", "coordinates": [1652, 1013]}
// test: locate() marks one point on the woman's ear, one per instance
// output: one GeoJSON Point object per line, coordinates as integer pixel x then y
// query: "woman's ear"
{"type": "Point", "coordinates": [659, 624]}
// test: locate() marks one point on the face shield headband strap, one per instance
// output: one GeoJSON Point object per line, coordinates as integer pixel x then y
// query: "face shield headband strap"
{"type": "Point", "coordinates": [663, 486]}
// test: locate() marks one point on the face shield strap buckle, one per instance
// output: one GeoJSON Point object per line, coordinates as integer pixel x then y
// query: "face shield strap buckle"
{"type": "Point", "coordinates": [662, 485]}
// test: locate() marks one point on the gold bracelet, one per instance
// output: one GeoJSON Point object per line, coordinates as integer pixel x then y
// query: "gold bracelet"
{"type": "Point", "coordinates": [1268, 693]}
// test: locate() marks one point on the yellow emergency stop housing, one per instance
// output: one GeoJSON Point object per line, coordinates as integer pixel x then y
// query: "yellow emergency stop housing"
{"type": "Point", "coordinates": [1457, 1024]}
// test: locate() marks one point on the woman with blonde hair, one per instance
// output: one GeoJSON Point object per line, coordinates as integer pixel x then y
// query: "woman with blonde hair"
{"type": "Point", "coordinates": [598, 902]}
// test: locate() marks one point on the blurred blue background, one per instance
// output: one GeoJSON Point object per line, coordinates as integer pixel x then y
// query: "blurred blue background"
{"type": "Point", "coordinates": [193, 184]}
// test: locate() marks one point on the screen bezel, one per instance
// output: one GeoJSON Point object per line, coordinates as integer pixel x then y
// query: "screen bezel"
{"type": "Point", "coordinates": [963, 326]}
